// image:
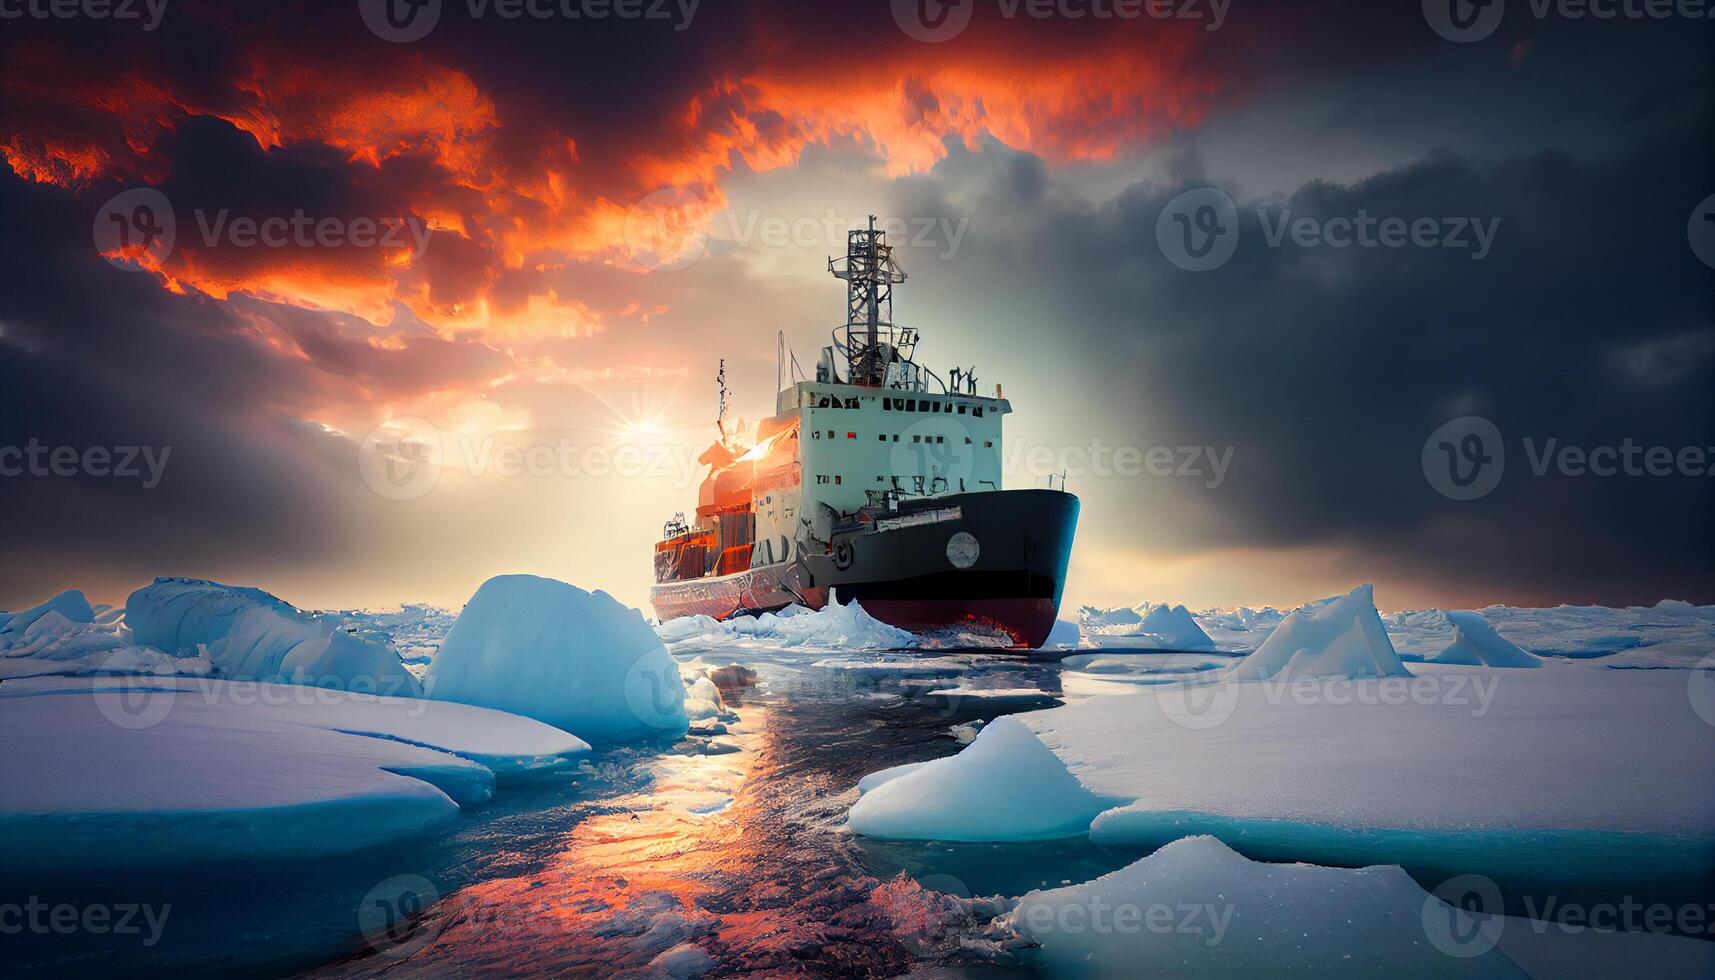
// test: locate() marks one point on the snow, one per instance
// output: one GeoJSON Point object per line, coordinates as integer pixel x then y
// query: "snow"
{"type": "Point", "coordinates": [109, 773]}
{"type": "Point", "coordinates": [1241, 628]}
{"type": "Point", "coordinates": [1476, 642]}
{"type": "Point", "coordinates": [251, 635]}
{"type": "Point", "coordinates": [1146, 626]}
{"type": "Point", "coordinates": [1596, 631]}
{"type": "Point", "coordinates": [1005, 786]}
{"type": "Point", "coordinates": [580, 661]}
{"type": "Point", "coordinates": [1195, 908]}
{"type": "Point", "coordinates": [1339, 638]}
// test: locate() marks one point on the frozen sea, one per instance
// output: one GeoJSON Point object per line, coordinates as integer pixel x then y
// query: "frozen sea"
{"type": "Point", "coordinates": [725, 852]}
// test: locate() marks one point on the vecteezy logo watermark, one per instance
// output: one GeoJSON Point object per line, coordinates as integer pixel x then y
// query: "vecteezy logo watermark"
{"type": "Point", "coordinates": [148, 12]}
{"type": "Point", "coordinates": [934, 21]}
{"type": "Point", "coordinates": [1700, 230]}
{"type": "Point", "coordinates": [136, 229]}
{"type": "Point", "coordinates": [1464, 21]}
{"type": "Point", "coordinates": [655, 693]}
{"type": "Point", "coordinates": [392, 915]}
{"type": "Point", "coordinates": [144, 463]}
{"type": "Point", "coordinates": [1463, 916]}
{"type": "Point", "coordinates": [403, 21]}
{"type": "Point", "coordinates": [37, 917]}
{"type": "Point", "coordinates": [1700, 688]}
{"type": "Point", "coordinates": [1199, 229]}
{"type": "Point", "coordinates": [1465, 458]}
{"type": "Point", "coordinates": [667, 230]}
{"type": "Point", "coordinates": [400, 458]}
{"type": "Point", "coordinates": [400, 21]}
{"type": "Point", "coordinates": [1203, 700]}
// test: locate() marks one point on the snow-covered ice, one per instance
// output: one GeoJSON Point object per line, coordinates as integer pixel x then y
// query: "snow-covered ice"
{"type": "Point", "coordinates": [1146, 626]}
{"type": "Point", "coordinates": [109, 773]}
{"type": "Point", "coordinates": [1005, 786]}
{"type": "Point", "coordinates": [581, 661]}
{"type": "Point", "coordinates": [249, 634]}
{"type": "Point", "coordinates": [1195, 908]}
{"type": "Point", "coordinates": [1340, 638]}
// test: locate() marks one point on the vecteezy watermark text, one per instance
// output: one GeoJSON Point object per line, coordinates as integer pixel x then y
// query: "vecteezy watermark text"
{"type": "Point", "coordinates": [1464, 459]}
{"type": "Point", "coordinates": [147, 12]}
{"type": "Point", "coordinates": [934, 21]}
{"type": "Point", "coordinates": [1095, 915]}
{"type": "Point", "coordinates": [1465, 21]}
{"type": "Point", "coordinates": [1199, 230]}
{"type": "Point", "coordinates": [403, 21]}
{"type": "Point", "coordinates": [404, 458]}
{"type": "Point", "coordinates": [41, 918]}
{"type": "Point", "coordinates": [138, 229]}
{"type": "Point", "coordinates": [145, 463]}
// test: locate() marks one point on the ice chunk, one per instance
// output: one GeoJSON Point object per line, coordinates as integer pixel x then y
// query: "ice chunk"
{"type": "Point", "coordinates": [577, 660]}
{"type": "Point", "coordinates": [1341, 637]}
{"type": "Point", "coordinates": [1476, 642]}
{"type": "Point", "coordinates": [1005, 786]}
{"type": "Point", "coordinates": [1197, 909]}
{"type": "Point", "coordinates": [833, 627]}
{"type": "Point", "coordinates": [683, 960]}
{"type": "Point", "coordinates": [106, 773]}
{"type": "Point", "coordinates": [1146, 626]}
{"type": "Point", "coordinates": [251, 635]}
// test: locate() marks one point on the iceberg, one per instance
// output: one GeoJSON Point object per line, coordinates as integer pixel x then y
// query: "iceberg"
{"type": "Point", "coordinates": [70, 605]}
{"type": "Point", "coordinates": [1476, 643]}
{"type": "Point", "coordinates": [110, 773]}
{"type": "Point", "coordinates": [1005, 786]}
{"type": "Point", "coordinates": [249, 634]}
{"type": "Point", "coordinates": [1341, 637]}
{"type": "Point", "coordinates": [833, 627]}
{"type": "Point", "coordinates": [577, 660]}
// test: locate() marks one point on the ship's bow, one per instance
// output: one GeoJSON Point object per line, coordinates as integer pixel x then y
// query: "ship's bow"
{"type": "Point", "coordinates": [994, 560]}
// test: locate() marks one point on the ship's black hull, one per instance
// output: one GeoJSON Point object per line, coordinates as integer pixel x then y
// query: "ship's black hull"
{"type": "Point", "coordinates": [905, 568]}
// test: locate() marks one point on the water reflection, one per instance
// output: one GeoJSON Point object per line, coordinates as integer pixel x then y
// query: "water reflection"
{"type": "Point", "coordinates": [737, 859]}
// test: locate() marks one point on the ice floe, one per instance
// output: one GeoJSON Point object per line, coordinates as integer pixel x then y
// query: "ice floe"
{"type": "Point", "coordinates": [1195, 908]}
{"type": "Point", "coordinates": [109, 773]}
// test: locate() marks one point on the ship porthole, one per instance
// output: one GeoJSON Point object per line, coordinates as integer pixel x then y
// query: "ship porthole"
{"type": "Point", "coordinates": [963, 549]}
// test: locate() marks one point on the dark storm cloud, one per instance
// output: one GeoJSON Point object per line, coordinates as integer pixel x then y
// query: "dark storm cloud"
{"type": "Point", "coordinates": [1590, 321]}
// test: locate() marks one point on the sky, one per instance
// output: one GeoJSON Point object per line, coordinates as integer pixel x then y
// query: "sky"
{"type": "Point", "coordinates": [362, 304]}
